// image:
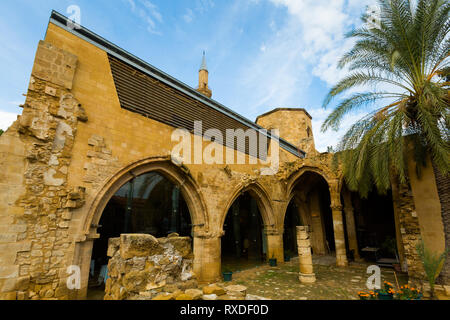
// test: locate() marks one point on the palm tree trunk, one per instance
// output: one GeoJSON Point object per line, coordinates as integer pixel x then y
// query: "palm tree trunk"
{"type": "Point", "coordinates": [443, 187]}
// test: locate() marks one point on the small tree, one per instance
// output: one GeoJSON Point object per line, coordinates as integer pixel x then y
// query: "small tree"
{"type": "Point", "coordinates": [1, 132]}
{"type": "Point", "coordinates": [432, 263]}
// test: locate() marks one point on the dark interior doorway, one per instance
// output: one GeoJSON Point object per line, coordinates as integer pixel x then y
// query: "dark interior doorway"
{"type": "Point", "coordinates": [150, 204]}
{"type": "Point", "coordinates": [313, 191]}
{"type": "Point", "coordinates": [375, 225]}
{"type": "Point", "coordinates": [291, 221]}
{"type": "Point", "coordinates": [243, 244]}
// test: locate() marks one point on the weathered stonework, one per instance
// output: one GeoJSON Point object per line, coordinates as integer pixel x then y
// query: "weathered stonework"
{"type": "Point", "coordinates": [409, 229]}
{"type": "Point", "coordinates": [143, 267]}
{"type": "Point", "coordinates": [47, 128]}
{"type": "Point", "coordinates": [306, 274]}
{"type": "Point", "coordinates": [74, 146]}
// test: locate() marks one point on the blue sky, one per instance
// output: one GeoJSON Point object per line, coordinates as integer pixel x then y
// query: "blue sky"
{"type": "Point", "coordinates": [261, 54]}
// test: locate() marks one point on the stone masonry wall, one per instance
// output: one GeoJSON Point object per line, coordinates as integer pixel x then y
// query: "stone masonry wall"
{"type": "Point", "coordinates": [409, 229]}
{"type": "Point", "coordinates": [47, 129]}
{"type": "Point", "coordinates": [143, 267]}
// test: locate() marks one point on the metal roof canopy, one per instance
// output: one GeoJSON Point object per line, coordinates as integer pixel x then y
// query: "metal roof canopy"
{"type": "Point", "coordinates": [105, 45]}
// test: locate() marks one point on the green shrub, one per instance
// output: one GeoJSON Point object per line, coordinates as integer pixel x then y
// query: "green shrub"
{"type": "Point", "coordinates": [432, 263]}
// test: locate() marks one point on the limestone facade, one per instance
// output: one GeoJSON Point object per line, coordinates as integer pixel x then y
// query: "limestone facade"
{"type": "Point", "coordinates": [74, 146]}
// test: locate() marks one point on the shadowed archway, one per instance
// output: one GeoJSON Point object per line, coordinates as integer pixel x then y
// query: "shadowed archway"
{"type": "Point", "coordinates": [309, 204]}
{"type": "Point", "coordinates": [249, 216]}
{"type": "Point", "coordinates": [148, 176]}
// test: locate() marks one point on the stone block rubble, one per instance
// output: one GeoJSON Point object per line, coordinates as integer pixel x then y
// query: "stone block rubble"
{"type": "Point", "coordinates": [143, 267]}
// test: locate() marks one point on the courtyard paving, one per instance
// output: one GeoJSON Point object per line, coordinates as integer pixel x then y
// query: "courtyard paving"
{"type": "Point", "coordinates": [333, 283]}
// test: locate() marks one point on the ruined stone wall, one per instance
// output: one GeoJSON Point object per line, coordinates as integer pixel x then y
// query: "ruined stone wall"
{"type": "Point", "coordinates": [145, 268]}
{"type": "Point", "coordinates": [142, 267]}
{"type": "Point", "coordinates": [42, 206]}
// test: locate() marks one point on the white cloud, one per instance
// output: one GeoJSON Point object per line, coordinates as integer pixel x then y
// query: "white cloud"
{"type": "Point", "coordinates": [204, 5]}
{"type": "Point", "coordinates": [149, 14]}
{"type": "Point", "coordinates": [188, 16]}
{"type": "Point", "coordinates": [6, 119]}
{"type": "Point", "coordinates": [308, 44]}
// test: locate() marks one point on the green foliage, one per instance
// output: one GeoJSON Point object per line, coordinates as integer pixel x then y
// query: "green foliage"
{"type": "Point", "coordinates": [432, 263]}
{"type": "Point", "coordinates": [1, 132]}
{"type": "Point", "coordinates": [409, 57]}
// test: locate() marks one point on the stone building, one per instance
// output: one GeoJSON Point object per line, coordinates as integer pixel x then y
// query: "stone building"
{"type": "Point", "coordinates": [90, 158]}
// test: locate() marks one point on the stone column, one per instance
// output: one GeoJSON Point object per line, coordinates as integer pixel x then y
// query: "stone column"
{"type": "Point", "coordinates": [207, 258]}
{"type": "Point", "coordinates": [306, 274]}
{"type": "Point", "coordinates": [351, 226]}
{"type": "Point", "coordinates": [338, 224]}
{"type": "Point", "coordinates": [274, 244]}
{"type": "Point", "coordinates": [339, 238]}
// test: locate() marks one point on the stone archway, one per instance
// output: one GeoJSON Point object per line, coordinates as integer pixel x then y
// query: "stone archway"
{"type": "Point", "coordinates": [325, 219]}
{"type": "Point", "coordinates": [253, 205]}
{"type": "Point", "coordinates": [263, 201]}
{"type": "Point", "coordinates": [249, 206]}
{"type": "Point", "coordinates": [173, 173]}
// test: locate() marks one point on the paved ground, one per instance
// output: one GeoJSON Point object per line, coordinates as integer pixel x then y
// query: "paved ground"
{"type": "Point", "coordinates": [333, 283]}
{"type": "Point", "coordinates": [281, 283]}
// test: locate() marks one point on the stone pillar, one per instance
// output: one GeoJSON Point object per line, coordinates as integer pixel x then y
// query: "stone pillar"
{"type": "Point", "coordinates": [207, 258]}
{"type": "Point", "coordinates": [306, 274]}
{"type": "Point", "coordinates": [274, 245]}
{"type": "Point", "coordinates": [339, 238]}
{"type": "Point", "coordinates": [338, 224]}
{"type": "Point", "coordinates": [350, 221]}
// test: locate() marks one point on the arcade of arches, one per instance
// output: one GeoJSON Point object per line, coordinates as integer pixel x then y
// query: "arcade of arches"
{"type": "Point", "coordinates": [151, 203]}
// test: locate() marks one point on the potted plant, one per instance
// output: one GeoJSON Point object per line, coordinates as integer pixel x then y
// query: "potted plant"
{"type": "Point", "coordinates": [432, 264]}
{"type": "Point", "coordinates": [273, 261]}
{"type": "Point", "coordinates": [408, 293]}
{"type": "Point", "coordinates": [387, 293]}
{"type": "Point", "coordinates": [371, 295]}
{"type": "Point", "coordinates": [227, 275]}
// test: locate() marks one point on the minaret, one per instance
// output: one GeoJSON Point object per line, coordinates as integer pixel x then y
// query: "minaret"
{"type": "Point", "coordinates": [203, 79]}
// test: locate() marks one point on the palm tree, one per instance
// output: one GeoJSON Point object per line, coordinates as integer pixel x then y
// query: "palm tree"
{"type": "Point", "coordinates": [405, 62]}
